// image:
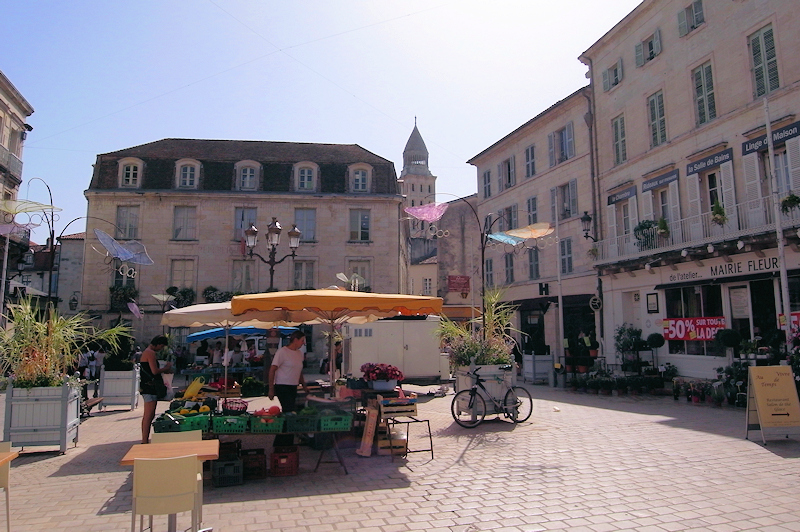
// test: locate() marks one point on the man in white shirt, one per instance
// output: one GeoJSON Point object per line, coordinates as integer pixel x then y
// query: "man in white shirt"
{"type": "Point", "coordinates": [285, 374]}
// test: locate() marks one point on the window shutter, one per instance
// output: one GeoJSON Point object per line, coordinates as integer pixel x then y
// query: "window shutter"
{"type": "Point", "coordinates": [551, 149]}
{"type": "Point", "coordinates": [553, 200]}
{"type": "Point", "coordinates": [619, 70]}
{"type": "Point", "coordinates": [675, 210]}
{"type": "Point", "coordinates": [573, 197]}
{"type": "Point", "coordinates": [570, 141]}
{"type": "Point", "coordinates": [514, 223]}
{"type": "Point", "coordinates": [693, 194]}
{"type": "Point", "coordinates": [500, 178]}
{"type": "Point", "coordinates": [657, 42]}
{"type": "Point", "coordinates": [683, 25]}
{"type": "Point", "coordinates": [606, 84]}
{"type": "Point", "coordinates": [752, 190]}
{"type": "Point", "coordinates": [793, 152]}
{"type": "Point", "coordinates": [639, 52]}
{"type": "Point", "coordinates": [758, 66]}
{"type": "Point", "coordinates": [512, 166]}
{"type": "Point", "coordinates": [633, 208]}
{"type": "Point", "coordinates": [662, 119]}
{"type": "Point", "coordinates": [697, 7]}
{"type": "Point", "coordinates": [772, 63]}
{"type": "Point", "coordinates": [647, 205]}
{"type": "Point", "coordinates": [611, 216]}
{"type": "Point", "coordinates": [729, 194]}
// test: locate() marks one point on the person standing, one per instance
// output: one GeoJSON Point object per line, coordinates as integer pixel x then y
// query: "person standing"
{"type": "Point", "coordinates": [150, 371]}
{"type": "Point", "coordinates": [285, 373]}
{"type": "Point", "coordinates": [99, 356]}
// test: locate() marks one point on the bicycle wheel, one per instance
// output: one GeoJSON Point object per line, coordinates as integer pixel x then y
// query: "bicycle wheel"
{"type": "Point", "coordinates": [518, 404]}
{"type": "Point", "coordinates": [468, 410]}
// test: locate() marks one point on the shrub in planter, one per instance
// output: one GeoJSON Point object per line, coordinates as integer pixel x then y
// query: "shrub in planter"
{"type": "Point", "coordinates": [621, 384]}
{"type": "Point", "coordinates": [593, 385]}
{"type": "Point", "coordinates": [729, 338]}
{"type": "Point", "coordinates": [655, 340]}
{"type": "Point", "coordinates": [626, 337]}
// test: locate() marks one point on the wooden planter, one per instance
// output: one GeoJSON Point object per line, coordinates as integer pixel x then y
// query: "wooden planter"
{"type": "Point", "coordinates": [119, 387]}
{"type": "Point", "coordinates": [42, 416]}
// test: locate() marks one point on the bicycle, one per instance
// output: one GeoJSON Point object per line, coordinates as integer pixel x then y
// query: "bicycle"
{"type": "Point", "coordinates": [469, 407]}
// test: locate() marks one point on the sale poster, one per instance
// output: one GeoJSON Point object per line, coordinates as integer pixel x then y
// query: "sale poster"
{"type": "Point", "coordinates": [692, 328]}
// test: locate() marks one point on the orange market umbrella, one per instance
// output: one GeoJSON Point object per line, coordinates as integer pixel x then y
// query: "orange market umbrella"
{"type": "Point", "coordinates": [333, 307]}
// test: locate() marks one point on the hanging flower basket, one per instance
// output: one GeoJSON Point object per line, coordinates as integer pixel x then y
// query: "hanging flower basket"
{"type": "Point", "coordinates": [718, 215]}
{"type": "Point", "coordinates": [790, 203]}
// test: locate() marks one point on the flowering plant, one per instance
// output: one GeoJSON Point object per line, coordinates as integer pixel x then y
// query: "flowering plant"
{"type": "Point", "coordinates": [381, 372]}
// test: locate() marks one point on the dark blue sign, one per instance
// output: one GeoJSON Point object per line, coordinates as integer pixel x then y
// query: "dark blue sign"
{"type": "Point", "coordinates": [660, 181]}
{"type": "Point", "coordinates": [622, 195]}
{"type": "Point", "coordinates": [779, 135]}
{"type": "Point", "coordinates": [712, 161]}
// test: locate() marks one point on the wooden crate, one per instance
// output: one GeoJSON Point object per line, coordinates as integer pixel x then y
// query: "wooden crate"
{"type": "Point", "coordinates": [396, 445]}
{"type": "Point", "coordinates": [391, 411]}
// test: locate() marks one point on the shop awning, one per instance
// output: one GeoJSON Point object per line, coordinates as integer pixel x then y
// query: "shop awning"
{"type": "Point", "coordinates": [460, 312]}
{"type": "Point", "coordinates": [727, 280]}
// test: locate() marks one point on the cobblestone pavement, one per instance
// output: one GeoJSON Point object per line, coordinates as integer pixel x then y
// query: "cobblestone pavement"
{"type": "Point", "coordinates": [582, 463]}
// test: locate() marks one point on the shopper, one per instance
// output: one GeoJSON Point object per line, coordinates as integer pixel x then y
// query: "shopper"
{"type": "Point", "coordinates": [285, 374]}
{"type": "Point", "coordinates": [151, 372]}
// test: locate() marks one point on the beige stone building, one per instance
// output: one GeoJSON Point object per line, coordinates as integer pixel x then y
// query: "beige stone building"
{"type": "Point", "coordinates": [687, 224]}
{"type": "Point", "coordinates": [189, 201]}
{"type": "Point", "coordinates": [540, 172]}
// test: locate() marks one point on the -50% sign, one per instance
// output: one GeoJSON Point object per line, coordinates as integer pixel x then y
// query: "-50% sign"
{"type": "Point", "coordinates": [692, 328]}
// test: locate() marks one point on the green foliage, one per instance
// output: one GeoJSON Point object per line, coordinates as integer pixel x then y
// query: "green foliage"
{"type": "Point", "coordinates": [655, 340]}
{"type": "Point", "coordinates": [212, 294]}
{"type": "Point", "coordinates": [718, 215]}
{"type": "Point", "coordinates": [41, 346]}
{"type": "Point", "coordinates": [252, 387]}
{"type": "Point", "coordinates": [183, 297]}
{"type": "Point", "coordinates": [789, 203]}
{"type": "Point", "coordinates": [662, 228]}
{"type": "Point", "coordinates": [728, 337]}
{"type": "Point", "coordinates": [122, 295]}
{"type": "Point", "coordinates": [627, 338]}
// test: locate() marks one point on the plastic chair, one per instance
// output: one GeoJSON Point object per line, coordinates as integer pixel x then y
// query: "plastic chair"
{"type": "Point", "coordinates": [189, 435]}
{"type": "Point", "coordinates": [5, 446]}
{"type": "Point", "coordinates": [164, 486]}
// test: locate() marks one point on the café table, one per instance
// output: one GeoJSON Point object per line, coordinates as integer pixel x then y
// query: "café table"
{"type": "Point", "coordinates": [204, 449]}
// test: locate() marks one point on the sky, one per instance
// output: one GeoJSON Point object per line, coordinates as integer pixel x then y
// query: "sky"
{"type": "Point", "coordinates": [103, 75]}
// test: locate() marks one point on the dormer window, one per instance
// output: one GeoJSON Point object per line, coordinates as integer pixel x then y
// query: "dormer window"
{"type": "Point", "coordinates": [188, 173]}
{"type": "Point", "coordinates": [247, 175]}
{"type": "Point", "coordinates": [305, 176]}
{"type": "Point", "coordinates": [130, 172]}
{"type": "Point", "coordinates": [360, 179]}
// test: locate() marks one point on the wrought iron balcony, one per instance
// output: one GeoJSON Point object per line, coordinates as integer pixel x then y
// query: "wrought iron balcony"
{"type": "Point", "coordinates": [744, 220]}
{"type": "Point", "coordinates": [11, 162]}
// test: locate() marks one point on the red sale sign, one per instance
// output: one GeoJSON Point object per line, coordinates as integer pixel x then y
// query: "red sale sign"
{"type": "Point", "coordinates": [692, 328]}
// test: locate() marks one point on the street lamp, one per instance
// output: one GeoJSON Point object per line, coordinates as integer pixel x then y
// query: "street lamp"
{"type": "Point", "coordinates": [273, 239]}
{"type": "Point", "coordinates": [586, 223]}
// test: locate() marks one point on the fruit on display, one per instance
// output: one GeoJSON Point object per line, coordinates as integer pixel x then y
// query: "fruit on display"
{"type": "Point", "coordinates": [274, 410]}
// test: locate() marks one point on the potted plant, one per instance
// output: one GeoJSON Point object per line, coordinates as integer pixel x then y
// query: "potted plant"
{"type": "Point", "coordinates": [789, 203]}
{"type": "Point", "coordinates": [644, 232]}
{"type": "Point", "coordinates": [718, 393]}
{"type": "Point", "coordinates": [39, 351]}
{"type": "Point", "coordinates": [593, 252]}
{"type": "Point", "coordinates": [677, 388]}
{"type": "Point", "coordinates": [662, 228]}
{"type": "Point", "coordinates": [593, 385]}
{"type": "Point", "coordinates": [621, 384]}
{"type": "Point", "coordinates": [607, 385]}
{"type": "Point", "coordinates": [718, 215]}
{"type": "Point", "coordinates": [383, 377]}
{"type": "Point", "coordinates": [627, 338]}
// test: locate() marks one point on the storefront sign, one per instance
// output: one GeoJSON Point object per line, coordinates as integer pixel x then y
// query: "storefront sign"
{"type": "Point", "coordinates": [692, 328]}
{"type": "Point", "coordinates": [727, 269]}
{"type": "Point", "coordinates": [778, 136]}
{"type": "Point", "coordinates": [458, 283]}
{"type": "Point", "coordinates": [622, 195]}
{"type": "Point", "coordinates": [660, 181]}
{"type": "Point", "coordinates": [712, 161]}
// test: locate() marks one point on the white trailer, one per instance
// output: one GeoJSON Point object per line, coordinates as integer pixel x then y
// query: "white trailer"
{"type": "Point", "coordinates": [410, 344]}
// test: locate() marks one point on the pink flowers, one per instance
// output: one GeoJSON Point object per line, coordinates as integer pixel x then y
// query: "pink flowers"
{"type": "Point", "coordinates": [381, 372]}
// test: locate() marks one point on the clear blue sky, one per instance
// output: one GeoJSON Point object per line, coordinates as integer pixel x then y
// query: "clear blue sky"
{"type": "Point", "coordinates": [107, 75]}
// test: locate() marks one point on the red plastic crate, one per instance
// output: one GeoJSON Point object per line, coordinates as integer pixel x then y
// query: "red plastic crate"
{"type": "Point", "coordinates": [285, 461]}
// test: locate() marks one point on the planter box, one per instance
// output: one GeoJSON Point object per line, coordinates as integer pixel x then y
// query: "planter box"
{"type": "Point", "coordinates": [42, 416]}
{"type": "Point", "coordinates": [490, 374]}
{"type": "Point", "coordinates": [119, 387]}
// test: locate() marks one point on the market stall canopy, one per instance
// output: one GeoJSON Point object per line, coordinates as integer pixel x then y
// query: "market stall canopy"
{"type": "Point", "coordinates": [219, 332]}
{"type": "Point", "coordinates": [219, 315]}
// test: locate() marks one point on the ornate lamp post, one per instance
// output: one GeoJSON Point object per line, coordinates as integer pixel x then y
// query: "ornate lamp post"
{"type": "Point", "coordinates": [273, 239]}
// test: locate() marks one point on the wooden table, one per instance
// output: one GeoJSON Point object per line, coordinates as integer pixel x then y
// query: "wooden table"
{"type": "Point", "coordinates": [204, 449]}
{"type": "Point", "coordinates": [7, 457]}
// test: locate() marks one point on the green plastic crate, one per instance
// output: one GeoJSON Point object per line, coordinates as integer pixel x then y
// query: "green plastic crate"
{"type": "Point", "coordinates": [229, 424]}
{"type": "Point", "coordinates": [163, 424]}
{"type": "Point", "coordinates": [258, 424]}
{"type": "Point", "coordinates": [198, 422]}
{"type": "Point", "coordinates": [302, 423]}
{"type": "Point", "coordinates": [339, 423]}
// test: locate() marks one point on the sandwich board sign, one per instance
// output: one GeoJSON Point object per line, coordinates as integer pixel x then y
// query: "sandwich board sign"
{"type": "Point", "coordinates": [772, 403]}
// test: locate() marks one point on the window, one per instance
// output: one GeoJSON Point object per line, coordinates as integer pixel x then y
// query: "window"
{"type": "Point", "coordinates": [781, 168]}
{"type": "Point", "coordinates": [648, 49]}
{"type": "Point", "coordinates": [765, 61]}
{"type": "Point", "coordinates": [120, 278]}
{"type": "Point", "coordinates": [612, 76]}
{"type": "Point", "coordinates": [130, 172]}
{"type": "Point", "coordinates": [564, 200]}
{"type": "Point", "coordinates": [509, 264]}
{"type": "Point", "coordinates": [565, 247]}
{"type": "Point", "coordinates": [306, 177]}
{"type": "Point", "coordinates": [128, 222]}
{"type": "Point", "coordinates": [561, 145]}
{"type": "Point", "coordinates": [247, 178]}
{"type": "Point", "coordinates": [713, 189]}
{"type": "Point", "coordinates": [533, 263]}
{"type": "Point", "coordinates": [488, 272]}
{"type": "Point", "coordinates": [506, 174]}
{"type": "Point", "coordinates": [487, 184]}
{"type": "Point", "coordinates": [187, 176]}
{"type": "Point", "coordinates": [182, 273]}
{"type": "Point", "coordinates": [243, 218]}
{"type": "Point", "coordinates": [359, 225]}
{"type": "Point", "coordinates": [618, 129]}
{"type": "Point", "coordinates": [184, 226]}
{"type": "Point", "coordinates": [624, 218]}
{"type": "Point", "coordinates": [360, 181]}
{"type": "Point", "coordinates": [427, 286]}
{"type": "Point", "coordinates": [303, 278]}
{"type": "Point", "coordinates": [243, 276]}
{"type": "Point", "coordinates": [508, 218]}
{"type": "Point", "coordinates": [662, 197]}
{"type": "Point", "coordinates": [658, 122]}
{"type": "Point", "coordinates": [690, 18]}
{"type": "Point", "coordinates": [306, 222]}
{"type": "Point", "coordinates": [694, 302]}
{"type": "Point", "coordinates": [704, 93]}
{"type": "Point", "coordinates": [530, 161]}
{"type": "Point", "coordinates": [532, 216]}
{"type": "Point", "coordinates": [412, 187]}
{"type": "Point", "coordinates": [487, 222]}
{"type": "Point", "coordinates": [361, 270]}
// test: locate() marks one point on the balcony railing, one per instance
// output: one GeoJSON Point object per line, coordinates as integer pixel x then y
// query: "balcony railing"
{"type": "Point", "coordinates": [744, 219]}
{"type": "Point", "coordinates": [11, 162]}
